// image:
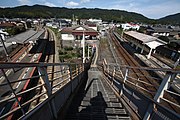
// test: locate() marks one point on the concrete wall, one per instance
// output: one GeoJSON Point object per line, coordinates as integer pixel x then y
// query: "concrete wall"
{"type": "Point", "coordinates": [67, 37]}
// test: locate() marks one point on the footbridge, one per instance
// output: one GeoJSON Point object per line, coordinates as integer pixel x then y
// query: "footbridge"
{"type": "Point", "coordinates": [85, 92]}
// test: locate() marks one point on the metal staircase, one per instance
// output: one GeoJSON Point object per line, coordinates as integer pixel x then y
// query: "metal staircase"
{"type": "Point", "coordinates": [96, 101]}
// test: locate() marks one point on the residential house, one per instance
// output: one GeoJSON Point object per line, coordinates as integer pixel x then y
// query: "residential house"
{"type": "Point", "coordinates": [4, 25]}
{"type": "Point", "coordinates": [161, 31]}
{"type": "Point", "coordinates": [96, 21]}
{"type": "Point", "coordinates": [128, 26]}
{"type": "Point", "coordinates": [91, 25]}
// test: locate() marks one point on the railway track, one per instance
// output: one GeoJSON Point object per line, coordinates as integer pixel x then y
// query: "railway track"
{"type": "Point", "coordinates": [151, 85]}
{"type": "Point", "coordinates": [16, 53]}
{"type": "Point", "coordinates": [50, 55]}
{"type": "Point", "coordinates": [137, 74]}
{"type": "Point", "coordinates": [36, 56]}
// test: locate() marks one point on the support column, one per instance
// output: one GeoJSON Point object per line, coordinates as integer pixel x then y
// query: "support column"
{"type": "Point", "coordinates": [88, 51]}
{"type": "Point", "coordinates": [136, 46]}
{"type": "Point", "coordinates": [154, 51]}
{"type": "Point", "coordinates": [142, 49]}
{"type": "Point", "coordinates": [149, 55]}
{"type": "Point", "coordinates": [132, 44]}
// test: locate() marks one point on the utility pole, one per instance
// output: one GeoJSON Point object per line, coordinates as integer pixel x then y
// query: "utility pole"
{"type": "Point", "coordinates": [83, 42]}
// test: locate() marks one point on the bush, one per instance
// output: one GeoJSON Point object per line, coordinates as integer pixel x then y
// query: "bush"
{"type": "Point", "coordinates": [68, 48]}
{"type": "Point", "coordinates": [61, 52]}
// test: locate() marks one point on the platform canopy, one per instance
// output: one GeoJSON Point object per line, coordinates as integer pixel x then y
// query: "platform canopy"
{"type": "Point", "coordinates": [26, 37]}
{"type": "Point", "coordinates": [148, 40]}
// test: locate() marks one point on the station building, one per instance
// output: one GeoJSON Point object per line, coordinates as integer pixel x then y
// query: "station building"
{"type": "Point", "coordinates": [72, 36]}
{"type": "Point", "coordinates": [144, 42]}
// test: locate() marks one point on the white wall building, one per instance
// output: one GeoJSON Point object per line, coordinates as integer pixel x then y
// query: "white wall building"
{"type": "Point", "coordinates": [67, 36]}
{"type": "Point", "coordinates": [97, 21]}
{"type": "Point", "coordinates": [128, 26]}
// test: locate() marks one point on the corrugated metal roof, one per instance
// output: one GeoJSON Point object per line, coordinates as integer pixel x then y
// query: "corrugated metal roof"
{"type": "Point", "coordinates": [143, 37]}
{"type": "Point", "coordinates": [150, 41]}
{"type": "Point", "coordinates": [25, 37]}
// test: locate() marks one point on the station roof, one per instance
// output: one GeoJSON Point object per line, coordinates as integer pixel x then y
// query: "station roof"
{"type": "Point", "coordinates": [79, 30]}
{"type": "Point", "coordinates": [150, 41]}
{"type": "Point", "coordinates": [26, 37]}
{"type": "Point", "coordinates": [6, 44]}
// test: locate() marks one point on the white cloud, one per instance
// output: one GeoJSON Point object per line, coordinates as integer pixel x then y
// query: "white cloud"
{"type": "Point", "coordinates": [161, 10]}
{"type": "Point", "coordinates": [72, 4]}
{"type": "Point", "coordinates": [24, 2]}
{"type": "Point", "coordinates": [49, 4]}
{"type": "Point", "coordinates": [41, 0]}
{"type": "Point", "coordinates": [85, 1]}
{"type": "Point", "coordinates": [149, 9]}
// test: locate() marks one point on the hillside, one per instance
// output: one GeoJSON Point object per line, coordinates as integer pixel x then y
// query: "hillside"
{"type": "Point", "coordinates": [38, 11]}
{"type": "Point", "coordinates": [173, 19]}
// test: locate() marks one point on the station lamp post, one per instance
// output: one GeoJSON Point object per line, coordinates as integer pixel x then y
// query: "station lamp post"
{"type": "Point", "coordinates": [83, 42]}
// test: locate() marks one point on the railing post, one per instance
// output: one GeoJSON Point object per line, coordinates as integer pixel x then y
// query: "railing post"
{"type": "Point", "coordinates": [43, 73]}
{"type": "Point", "coordinates": [126, 74]}
{"type": "Point", "coordinates": [114, 72]}
{"type": "Point", "coordinates": [137, 83]}
{"type": "Point", "coordinates": [163, 86]}
{"type": "Point", "coordinates": [104, 65]}
{"type": "Point", "coordinates": [108, 70]}
{"type": "Point", "coordinates": [70, 75]}
{"type": "Point", "coordinates": [78, 73]}
{"type": "Point", "coordinates": [124, 81]}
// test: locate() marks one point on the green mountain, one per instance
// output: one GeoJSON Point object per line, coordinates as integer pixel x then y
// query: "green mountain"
{"type": "Point", "coordinates": [171, 19]}
{"type": "Point", "coordinates": [40, 11]}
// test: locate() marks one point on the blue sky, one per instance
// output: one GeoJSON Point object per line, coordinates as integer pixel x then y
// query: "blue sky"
{"type": "Point", "coordinates": [149, 8]}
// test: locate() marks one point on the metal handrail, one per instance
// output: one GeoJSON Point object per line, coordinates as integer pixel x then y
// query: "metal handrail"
{"type": "Point", "coordinates": [43, 87]}
{"type": "Point", "coordinates": [127, 81]}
